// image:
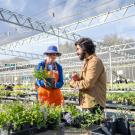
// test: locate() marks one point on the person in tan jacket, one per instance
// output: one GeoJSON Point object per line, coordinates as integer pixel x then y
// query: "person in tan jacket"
{"type": "Point", "coordinates": [92, 80]}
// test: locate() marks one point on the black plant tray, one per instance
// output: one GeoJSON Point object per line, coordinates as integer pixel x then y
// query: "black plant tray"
{"type": "Point", "coordinates": [28, 131]}
{"type": "Point", "coordinates": [60, 131]}
{"type": "Point", "coordinates": [115, 106]}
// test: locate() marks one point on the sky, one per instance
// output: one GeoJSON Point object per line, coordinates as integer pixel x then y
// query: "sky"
{"type": "Point", "coordinates": [60, 13]}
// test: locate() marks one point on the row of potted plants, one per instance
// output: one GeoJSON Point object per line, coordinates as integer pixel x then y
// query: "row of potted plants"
{"type": "Point", "coordinates": [116, 86]}
{"type": "Point", "coordinates": [121, 86]}
{"type": "Point", "coordinates": [23, 87]}
{"type": "Point", "coordinates": [127, 98]}
{"type": "Point", "coordinates": [17, 87]}
{"type": "Point", "coordinates": [71, 96]}
{"type": "Point", "coordinates": [15, 93]}
{"type": "Point", "coordinates": [17, 117]}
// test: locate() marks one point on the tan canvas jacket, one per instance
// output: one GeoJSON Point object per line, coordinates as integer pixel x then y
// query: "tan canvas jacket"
{"type": "Point", "coordinates": [92, 85]}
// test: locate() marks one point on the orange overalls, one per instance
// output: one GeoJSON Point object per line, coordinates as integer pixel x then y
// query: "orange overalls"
{"type": "Point", "coordinates": [51, 96]}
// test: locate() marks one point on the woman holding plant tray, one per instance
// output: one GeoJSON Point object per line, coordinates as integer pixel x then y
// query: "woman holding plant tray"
{"type": "Point", "coordinates": [49, 76]}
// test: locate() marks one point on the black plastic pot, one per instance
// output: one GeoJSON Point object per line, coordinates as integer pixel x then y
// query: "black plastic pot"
{"type": "Point", "coordinates": [74, 98]}
{"type": "Point", "coordinates": [109, 101]}
{"type": "Point", "coordinates": [122, 126]}
{"type": "Point", "coordinates": [65, 98]}
{"type": "Point", "coordinates": [50, 83]}
{"type": "Point", "coordinates": [23, 95]}
{"type": "Point", "coordinates": [110, 126]}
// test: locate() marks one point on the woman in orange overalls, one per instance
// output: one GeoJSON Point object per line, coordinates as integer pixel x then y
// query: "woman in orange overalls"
{"type": "Point", "coordinates": [51, 96]}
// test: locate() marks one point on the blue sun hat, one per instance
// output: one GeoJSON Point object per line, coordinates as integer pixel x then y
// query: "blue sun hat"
{"type": "Point", "coordinates": [52, 49]}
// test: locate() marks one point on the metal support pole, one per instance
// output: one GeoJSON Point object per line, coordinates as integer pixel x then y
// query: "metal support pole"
{"type": "Point", "coordinates": [129, 73]}
{"type": "Point", "coordinates": [12, 78]}
{"type": "Point", "coordinates": [5, 78]}
{"type": "Point", "coordinates": [110, 65]}
{"type": "Point", "coordinates": [15, 75]}
{"type": "Point", "coordinates": [58, 45]}
{"type": "Point", "coordinates": [132, 73]}
{"type": "Point", "coordinates": [58, 40]}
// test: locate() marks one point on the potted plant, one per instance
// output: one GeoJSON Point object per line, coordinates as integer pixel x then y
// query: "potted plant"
{"type": "Point", "coordinates": [53, 116]}
{"type": "Point", "coordinates": [17, 118]}
{"type": "Point", "coordinates": [43, 75]}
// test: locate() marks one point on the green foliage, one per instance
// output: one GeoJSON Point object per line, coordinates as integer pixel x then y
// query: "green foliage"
{"type": "Point", "coordinates": [3, 118]}
{"type": "Point", "coordinates": [17, 115]}
{"type": "Point", "coordinates": [70, 95]}
{"type": "Point", "coordinates": [5, 93]}
{"type": "Point", "coordinates": [86, 119]}
{"type": "Point", "coordinates": [17, 93]}
{"type": "Point", "coordinates": [37, 116]}
{"type": "Point", "coordinates": [72, 109]}
{"type": "Point", "coordinates": [40, 74]}
{"type": "Point", "coordinates": [2, 87]}
{"type": "Point", "coordinates": [127, 97]}
{"type": "Point", "coordinates": [53, 116]}
{"type": "Point", "coordinates": [18, 87]}
{"type": "Point", "coordinates": [14, 93]}
{"type": "Point", "coordinates": [12, 113]}
{"type": "Point", "coordinates": [121, 86]}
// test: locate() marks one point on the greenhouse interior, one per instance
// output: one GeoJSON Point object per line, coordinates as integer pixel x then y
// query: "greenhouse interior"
{"type": "Point", "coordinates": [67, 67]}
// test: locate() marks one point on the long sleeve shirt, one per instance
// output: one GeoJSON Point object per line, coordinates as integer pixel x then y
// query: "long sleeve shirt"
{"type": "Point", "coordinates": [60, 82]}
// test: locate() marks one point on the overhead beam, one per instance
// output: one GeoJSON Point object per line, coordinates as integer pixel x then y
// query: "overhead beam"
{"type": "Point", "coordinates": [66, 66]}
{"type": "Point", "coordinates": [104, 18]}
{"type": "Point", "coordinates": [67, 31]}
{"type": "Point", "coordinates": [29, 23]}
{"type": "Point", "coordinates": [20, 54]}
{"type": "Point", "coordinates": [118, 49]}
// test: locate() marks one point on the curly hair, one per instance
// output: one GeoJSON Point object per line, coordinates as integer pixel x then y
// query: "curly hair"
{"type": "Point", "coordinates": [87, 45]}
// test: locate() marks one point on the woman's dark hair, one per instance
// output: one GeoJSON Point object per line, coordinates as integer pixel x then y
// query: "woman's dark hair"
{"type": "Point", "coordinates": [87, 45]}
